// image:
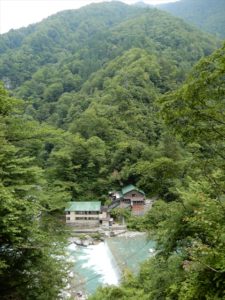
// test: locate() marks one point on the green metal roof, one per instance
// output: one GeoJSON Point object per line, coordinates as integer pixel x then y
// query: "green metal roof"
{"type": "Point", "coordinates": [83, 206]}
{"type": "Point", "coordinates": [130, 188]}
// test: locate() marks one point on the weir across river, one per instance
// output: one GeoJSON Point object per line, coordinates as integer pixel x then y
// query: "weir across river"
{"type": "Point", "coordinates": [104, 263]}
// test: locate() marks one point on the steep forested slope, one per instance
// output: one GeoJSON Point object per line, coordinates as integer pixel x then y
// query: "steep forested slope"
{"type": "Point", "coordinates": [206, 14]}
{"type": "Point", "coordinates": [176, 43]}
{"type": "Point", "coordinates": [190, 262]}
{"type": "Point", "coordinates": [59, 37]}
{"type": "Point", "coordinates": [99, 77]}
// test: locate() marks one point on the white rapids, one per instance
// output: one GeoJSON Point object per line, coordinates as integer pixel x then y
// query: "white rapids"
{"type": "Point", "coordinates": [100, 260]}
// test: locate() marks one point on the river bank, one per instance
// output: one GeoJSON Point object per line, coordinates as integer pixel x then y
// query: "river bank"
{"type": "Point", "coordinates": [86, 239]}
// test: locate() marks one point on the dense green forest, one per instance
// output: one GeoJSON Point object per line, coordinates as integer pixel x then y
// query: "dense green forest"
{"type": "Point", "coordinates": [190, 259]}
{"type": "Point", "coordinates": [205, 14]}
{"type": "Point", "coordinates": [28, 231]}
{"type": "Point", "coordinates": [107, 101]}
{"type": "Point", "coordinates": [103, 89]}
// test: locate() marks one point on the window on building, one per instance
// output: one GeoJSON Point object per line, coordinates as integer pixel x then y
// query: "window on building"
{"type": "Point", "coordinates": [133, 195]}
{"type": "Point", "coordinates": [126, 200]}
{"type": "Point", "coordinates": [68, 213]}
{"type": "Point", "coordinates": [68, 218]}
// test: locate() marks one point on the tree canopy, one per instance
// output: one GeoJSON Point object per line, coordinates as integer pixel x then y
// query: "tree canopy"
{"type": "Point", "coordinates": [107, 101]}
{"type": "Point", "coordinates": [206, 14]}
{"type": "Point", "coordinates": [189, 262]}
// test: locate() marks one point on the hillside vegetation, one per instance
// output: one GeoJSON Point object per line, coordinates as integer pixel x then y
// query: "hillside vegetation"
{"type": "Point", "coordinates": [104, 105]}
{"type": "Point", "coordinates": [99, 80]}
{"type": "Point", "coordinates": [208, 15]}
{"type": "Point", "coordinates": [190, 262]}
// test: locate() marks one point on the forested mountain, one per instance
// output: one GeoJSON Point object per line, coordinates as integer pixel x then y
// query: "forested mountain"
{"type": "Point", "coordinates": [190, 259]}
{"type": "Point", "coordinates": [92, 118]}
{"type": "Point", "coordinates": [60, 37]}
{"type": "Point", "coordinates": [208, 15]}
{"type": "Point", "coordinates": [78, 36]}
{"type": "Point", "coordinates": [99, 79]}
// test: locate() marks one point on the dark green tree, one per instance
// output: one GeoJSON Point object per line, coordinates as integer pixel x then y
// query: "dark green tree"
{"type": "Point", "coordinates": [28, 265]}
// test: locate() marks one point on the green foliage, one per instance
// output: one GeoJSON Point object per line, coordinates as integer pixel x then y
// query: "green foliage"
{"type": "Point", "coordinates": [189, 262]}
{"type": "Point", "coordinates": [78, 167]}
{"type": "Point", "coordinates": [47, 63]}
{"type": "Point", "coordinates": [26, 251]}
{"type": "Point", "coordinates": [102, 88]}
{"type": "Point", "coordinates": [63, 37]}
{"type": "Point", "coordinates": [136, 223]}
{"type": "Point", "coordinates": [206, 14]}
{"type": "Point", "coordinates": [108, 76]}
{"type": "Point", "coordinates": [120, 213]}
{"type": "Point", "coordinates": [199, 117]}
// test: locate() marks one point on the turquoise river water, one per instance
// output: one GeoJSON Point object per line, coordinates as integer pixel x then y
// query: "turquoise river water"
{"type": "Point", "coordinates": [103, 264]}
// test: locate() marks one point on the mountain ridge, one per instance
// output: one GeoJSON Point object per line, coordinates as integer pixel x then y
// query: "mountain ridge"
{"type": "Point", "coordinates": [205, 14]}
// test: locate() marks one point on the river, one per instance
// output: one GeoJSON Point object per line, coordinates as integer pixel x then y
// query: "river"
{"type": "Point", "coordinates": [102, 264]}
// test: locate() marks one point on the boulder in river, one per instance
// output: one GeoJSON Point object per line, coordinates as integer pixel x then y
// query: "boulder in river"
{"type": "Point", "coordinates": [85, 243]}
{"type": "Point", "coordinates": [78, 242]}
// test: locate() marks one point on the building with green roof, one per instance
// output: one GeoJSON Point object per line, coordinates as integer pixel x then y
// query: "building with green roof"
{"type": "Point", "coordinates": [129, 197]}
{"type": "Point", "coordinates": [85, 206]}
{"type": "Point", "coordinates": [131, 188]}
{"type": "Point", "coordinates": [83, 213]}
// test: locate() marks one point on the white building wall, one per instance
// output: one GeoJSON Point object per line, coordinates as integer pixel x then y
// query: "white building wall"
{"type": "Point", "coordinates": [73, 217]}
